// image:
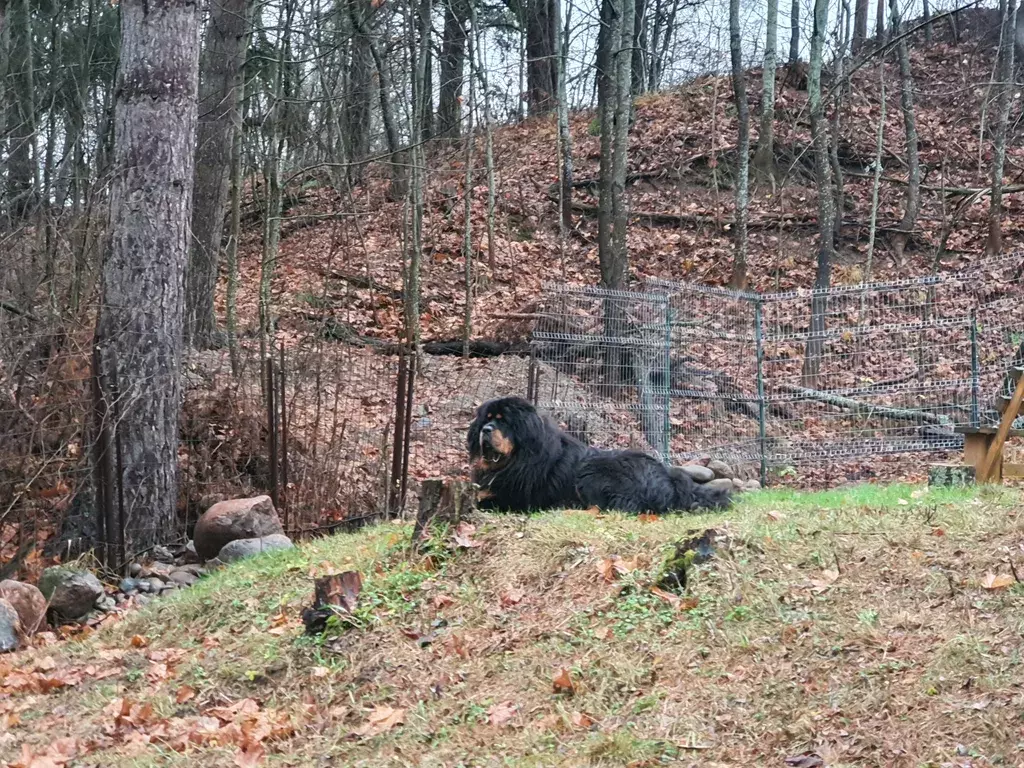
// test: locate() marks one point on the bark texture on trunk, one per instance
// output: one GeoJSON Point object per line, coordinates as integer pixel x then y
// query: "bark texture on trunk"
{"type": "Point", "coordinates": [860, 25]}
{"type": "Point", "coordinates": [453, 60]}
{"type": "Point", "coordinates": [764, 157]}
{"type": "Point", "coordinates": [1006, 86]}
{"type": "Point", "coordinates": [826, 198]}
{"type": "Point", "coordinates": [141, 319]}
{"type": "Point", "coordinates": [910, 132]}
{"type": "Point", "coordinates": [541, 46]}
{"type": "Point", "coordinates": [739, 86]}
{"type": "Point", "coordinates": [220, 83]}
{"type": "Point", "coordinates": [794, 31]}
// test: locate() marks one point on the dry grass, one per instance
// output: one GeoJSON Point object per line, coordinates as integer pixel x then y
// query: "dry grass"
{"type": "Point", "coordinates": [854, 624]}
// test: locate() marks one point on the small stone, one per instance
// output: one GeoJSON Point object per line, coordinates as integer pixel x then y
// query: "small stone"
{"type": "Point", "coordinates": [753, 485]}
{"type": "Point", "coordinates": [143, 599]}
{"type": "Point", "coordinates": [242, 548]}
{"type": "Point", "coordinates": [194, 568]}
{"type": "Point", "coordinates": [188, 554]}
{"type": "Point", "coordinates": [183, 578]}
{"type": "Point", "coordinates": [721, 482]}
{"type": "Point", "coordinates": [119, 598]}
{"type": "Point", "coordinates": [28, 601]}
{"type": "Point", "coordinates": [698, 473]}
{"type": "Point", "coordinates": [214, 563]}
{"type": "Point", "coordinates": [169, 586]}
{"type": "Point", "coordinates": [106, 604]}
{"type": "Point", "coordinates": [129, 585]}
{"type": "Point", "coordinates": [10, 627]}
{"type": "Point", "coordinates": [162, 555]}
{"type": "Point", "coordinates": [135, 569]}
{"type": "Point", "coordinates": [70, 592]}
{"type": "Point", "coordinates": [738, 484]}
{"type": "Point", "coordinates": [159, 569]}
{"type": "Point", "coordinates": [720, 468]}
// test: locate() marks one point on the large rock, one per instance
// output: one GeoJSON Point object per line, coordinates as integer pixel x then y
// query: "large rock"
{"type": "Point", "coordinates": [698, 472]}
{"type": "Point", "coordinates": [241, 548]}
{"type": "Point", "coordinates": [227, 521]}
{"type": "Point", "coordinates": [10, 627]}
{"type": "Point", "coordinates": [71, 592]}
{"type": "Point", "coordinates": [722, 482]}
{"type": "Point", "coordinates": [28, 601]}
{"type": "Point", "coordinates": [721, 469]}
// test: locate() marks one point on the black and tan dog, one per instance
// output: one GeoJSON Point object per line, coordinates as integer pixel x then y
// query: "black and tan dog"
{"type": "Point", "coordinates": [522, 462]}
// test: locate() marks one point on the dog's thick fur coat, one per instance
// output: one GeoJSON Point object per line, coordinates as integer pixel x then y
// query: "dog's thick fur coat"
{"type": "Point", "coordinates": [523, 462]}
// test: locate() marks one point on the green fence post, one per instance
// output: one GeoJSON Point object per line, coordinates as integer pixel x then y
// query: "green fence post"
{"type": "Point", "coordinates": [667, 384]}
{"type": "Point", "coordinates": [975, 375]}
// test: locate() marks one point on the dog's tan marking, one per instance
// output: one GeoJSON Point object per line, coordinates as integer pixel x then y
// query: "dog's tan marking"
{"type": "Point", "coordinates": [501, 443]}
{"type": "Point", "coordinates": [484, 493]}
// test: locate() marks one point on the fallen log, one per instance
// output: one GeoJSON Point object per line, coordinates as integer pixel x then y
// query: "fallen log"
{"type": "Point", "coordinates": [858, 406]}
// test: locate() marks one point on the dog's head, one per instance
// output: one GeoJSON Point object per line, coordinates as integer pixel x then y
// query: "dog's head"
{"type": "Point", "coordinates": [501, 428]}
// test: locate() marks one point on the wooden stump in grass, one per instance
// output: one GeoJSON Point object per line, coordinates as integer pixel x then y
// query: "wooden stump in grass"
{"type": "Point", "coordinates": [442, 502]}
{"type": "Point", "coordinates": [951, 475]}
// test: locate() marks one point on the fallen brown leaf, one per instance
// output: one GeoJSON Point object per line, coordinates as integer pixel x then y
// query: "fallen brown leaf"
{"type": "Point", "coordinates": [464, 535]}
{"type": "Point", "coordinates": [185, 693]}
{"type": "Point", "coordinates": [138, 641]}
{"type": "Point", "coordinates": [382, 719]}
{"type": "Point", "coordinates": [500, 714]}
{"type": "Point", "coordinates": [512, 596]}
{"type": "Point", "coordinates": [582, 720]}
{"type": "Point", "coordinates": [991, 581]}
{"type": "Point", "coordinates": [563, 682]}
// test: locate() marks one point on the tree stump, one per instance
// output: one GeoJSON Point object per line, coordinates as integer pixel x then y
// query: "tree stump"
{"type": "Point", "coordinates": [951, 475]}
{"type": "Point", "coordinates": [442, 501]}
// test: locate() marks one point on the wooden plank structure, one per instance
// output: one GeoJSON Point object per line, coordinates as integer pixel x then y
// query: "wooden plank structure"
{"type": "Point", "coordinates": [983, 446]}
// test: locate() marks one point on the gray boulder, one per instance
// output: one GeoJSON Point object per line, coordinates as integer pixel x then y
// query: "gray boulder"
{"type": "Point", "coordinates": [10, 627]}
{"type": "Point", "coordinates": [698, 473]}
{"type": "Point", "coordinates": [722, 482]}
{"type": "Point", "coordinates": [721, 469]}
{"type": "Point", "coordinates": [71, 592]}
{"type": "Point", "coordinates": [242, 548]}
{"type": "Point", "coordinates": [183, 578]}
{"type": "Point", "coordinates": [228, 521]}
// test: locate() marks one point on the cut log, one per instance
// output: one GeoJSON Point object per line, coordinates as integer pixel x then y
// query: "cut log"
{"type": "Point", "coordinates": [442, 502]}
{"type": "Point", "coordinates": [950, 475]}
{"type": "Point", "coordinates": [872, 409]}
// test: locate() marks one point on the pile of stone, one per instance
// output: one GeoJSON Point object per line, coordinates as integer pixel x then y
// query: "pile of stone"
{"type": "Point", "coordinates": [226, 532]}
{"type": "Point", "coordinates": [717, 474]}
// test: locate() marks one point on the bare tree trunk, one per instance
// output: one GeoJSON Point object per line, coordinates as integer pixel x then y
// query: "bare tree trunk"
{"type": "Point", "coordinates": [453, 56]}
{"type": "Point", "coordinates": [623, 106]}
{"type": "Point", "coordinates": [22, 189]}
{"type": "Point", "coordinates": [880, 22]}
{"type": "Point", "coordinates": [927, 16]}
{"type": "Point", "coordinates": [272, 182]}
{"type": "Point", "coordinates": [639, 46]}
{"type": "Point", "coordinates": [540, 24]}
{"type": "Point", "coordinates": [826, 199]}
{"type": "Point", "coordinates": [739, 87]}
{"type": "Point", "coordinates": [488, 136]}
{"type": "Point", "coordinates": [564, 136]}
{"type": "Point", "coordinates": [608, 44]}
{"type": "Point", "coordinates": [220, 82]}
{"type": "Point", "coordinates": [794, 32]}
{"type": "Point", "coordinates": [764, 156]}
{"type": "Point", "coordinates": [234, 232]}
{"type": "Point", "coordinates": [467, 224]}
{"type": "Point", "coordinates": [141, 319]}
{"type": "Point", "coordinates": [357, 110]}
{"type": "Point", "coordinates": [860, 26]}
{"type": "Point", "coordinates": [414, 244]}
{"type": "Point", "coordinates": [1004, 100]}
{"type": "Point", "coordinates": [910, 130]}
{"type": "Point", "coordinates": [422, 83]}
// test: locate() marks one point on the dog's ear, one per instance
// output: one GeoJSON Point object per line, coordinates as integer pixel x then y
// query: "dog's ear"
{"type": "Point", "coordinates": [473, 437]}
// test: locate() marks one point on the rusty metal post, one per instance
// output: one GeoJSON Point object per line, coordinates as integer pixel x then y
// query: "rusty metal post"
{"type": "Point", "coordinates": [272, 429]}
{"type": "Point", "coordinates": [401, 395]}
{"type": "Point", "coordinates": [408, 427]}
{"type": "Point", "coordinates": [284, 446]}
{"type": "Point", "coordinates": [101, 456]}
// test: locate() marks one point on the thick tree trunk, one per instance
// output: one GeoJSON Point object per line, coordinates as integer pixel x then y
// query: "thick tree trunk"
{"type": "Point", "coordinates": [564, 135]}
{"type": "Point", "coordinates": [142, 313]}
{"type": "Point", "coordinates": [638, 68]}
{"type": "Point", "coordinates": [608, 43]}
{"type": "Point", "coordinates": [860, 25]}
{"type": "Point", "coordinates": [22, 189]}
{"type": "Point", "coordinates": [764, 156]}
{"type": "Point", "coordinates": [541, 49]}
{"type": "Point", "coordinates": [880, 22]}
{"type": "Point", "coordinates": [453, 58]}
{"type": "Point", "coordinates": [910, 132]}
{"type": "Point", "coordinates": [623, 106]}
{"type": "Point", "coordinates": [739, 87]}
{"type": "Point", "coordinates": [357, 111]}
{"type": "Point", "coordinates": [826, 199]}
{"type": "Point", "coordinates": [1006, 83]}
{"type": "Point", "coordinates": [220, 83]}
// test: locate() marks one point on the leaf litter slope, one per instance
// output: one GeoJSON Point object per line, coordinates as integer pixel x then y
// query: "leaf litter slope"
{"type": "Point", "coordinates": [869, 626]}
{"type": "Point", "coordinates": [681, 152]}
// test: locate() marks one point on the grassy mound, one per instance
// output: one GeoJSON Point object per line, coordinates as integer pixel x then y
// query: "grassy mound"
{"type": "Point", "coordinates": [871, 626]}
